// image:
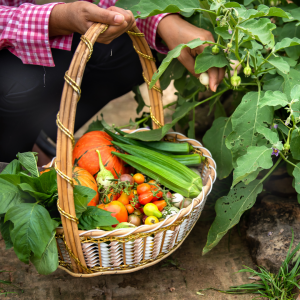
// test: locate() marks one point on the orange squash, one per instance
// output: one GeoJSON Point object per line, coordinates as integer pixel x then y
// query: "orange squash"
{"type": "Point", "coordinates": [84, 178]}
{"type": "Point", "coordinates": [85, 155]}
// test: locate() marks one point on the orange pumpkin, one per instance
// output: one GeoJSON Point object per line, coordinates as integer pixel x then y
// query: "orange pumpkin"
{"type": "Point", "coordinates": [118, 210]}
{"type": "Point", "coordinates": [85, 155]}
{"type": "Point", "coordinates": [83, 177]}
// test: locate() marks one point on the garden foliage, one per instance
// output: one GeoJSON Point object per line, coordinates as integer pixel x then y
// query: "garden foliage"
{"type": "Point", "coordinates": [264, 37]}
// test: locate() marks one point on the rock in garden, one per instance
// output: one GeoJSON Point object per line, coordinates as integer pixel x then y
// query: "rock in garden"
{"type": "Point", "coordinates": [269, 232]}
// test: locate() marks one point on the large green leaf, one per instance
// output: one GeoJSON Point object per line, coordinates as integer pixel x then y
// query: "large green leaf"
{"type": "Point", "coordinates": [256, 157]}
{"type": "Point", "coordinates": [29, 161]}
{"type": "Point", "coordinates": [296, 174]}
{"type": "Point", "coordinates": [214, 141]}
{"type": "Point", "coordinates": [279, 63]}
{"type": "Point", "coordinates": [95, 217]}
{"type": "Point", "coordinates": [274, 84]}
{"type": "Point", "coordinates": [147, 8]}
{"type": "Point", "coordinates": [229, 210]}
{"type": "Point", "coordinates": [207, 60]}
{"type": "Point", "coordinates": [171, 55]}
{"type": "Point", "coordinates": [273, 98]}
{"type": "Point", "coordinates": [262, 11]}
{"type": "Point", "coordinates": [82, 196]}
{"type": "Point", "coordinates": [14, 167]}
{"type": "Point", "coordinates": [286, 42]}
{"type": "Point", "coordinates": [10, 194]}
{"type": "Point", "coordinates": [271, 136]}
{"type": "Point", "coordinates": [33, 228]}
{"type": "Point", "coordinates": [295, 144]}
{"type": "Point", "coordinates": [290, 80]}
{"type": "Point", "coordinates": [245, 120]}
{"type": "Point", "coordinates": [290, 30]}
{"type": "Point", "coordinates": [261, 29]}
{"type": "Point", "coordinates": [48, 262]}
{"type": "Point", "coordinates": [4, 229]}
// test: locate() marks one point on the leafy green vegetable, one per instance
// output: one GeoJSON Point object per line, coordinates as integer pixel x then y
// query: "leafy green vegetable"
{"type": "Point", "coordinates": [95, 217]}
{"type": "Point", "coordinates": [33, 228]}
{"type": "Point", "coordinates": [28, 160]}
{"type": "Point", "coordinates": [82, 196]}
{"type": "Point", "coordinates": [4, 229]}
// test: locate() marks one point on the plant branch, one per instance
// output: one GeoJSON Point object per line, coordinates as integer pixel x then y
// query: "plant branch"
{"type": "Point", "coordinates": [285, 159]}
{"type": "Point", "coordinates": [272, 169]}
{"type": "Point", "coordinates": [212, 97]}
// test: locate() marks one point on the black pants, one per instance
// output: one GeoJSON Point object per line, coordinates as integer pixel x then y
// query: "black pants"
{"type": "Point", "coordinates": [30, 95]}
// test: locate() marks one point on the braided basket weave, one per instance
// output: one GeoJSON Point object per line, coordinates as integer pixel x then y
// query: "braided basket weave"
{"type": "Point", "coordinates": [96, 252]}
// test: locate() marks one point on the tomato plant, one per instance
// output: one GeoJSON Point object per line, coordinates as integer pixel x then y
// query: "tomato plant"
{"type": "Point", "coordinates": [262, 129]}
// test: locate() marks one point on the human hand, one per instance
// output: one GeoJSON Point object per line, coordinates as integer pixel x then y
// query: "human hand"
{"type": "Point", "coordinates": [174, 31]}
{"type": "Point", "coordinates": [79, 17]}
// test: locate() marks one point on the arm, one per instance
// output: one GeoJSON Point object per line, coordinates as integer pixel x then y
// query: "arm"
{"type": "Point", "coordinates": [29, 31]}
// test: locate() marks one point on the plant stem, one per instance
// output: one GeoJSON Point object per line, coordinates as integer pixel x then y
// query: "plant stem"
{"type": "Point", "coordinates": [212, 97]}
{"type": "Point", "coordinates": [285, 159]}
{"type": "Point", "coordinates": [237, 47]}
{"type": "Point", "coordinates": [272, 169]}
{"type": "Point", "coordinates": [170, 104]}
{"type": "Point", "coordinates": [137, 123]}
{"type": "Point", "coordinates": [248, 83]}
{"type": "Point", "coordinates": [266, 70]}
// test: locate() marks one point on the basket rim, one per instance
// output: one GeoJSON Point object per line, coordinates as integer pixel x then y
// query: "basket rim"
{"type": "Point", "coordinates": [206, 189]}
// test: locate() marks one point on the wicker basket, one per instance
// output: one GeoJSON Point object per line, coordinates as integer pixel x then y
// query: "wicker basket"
{"type": "Point", "coordinates": [96, 252]}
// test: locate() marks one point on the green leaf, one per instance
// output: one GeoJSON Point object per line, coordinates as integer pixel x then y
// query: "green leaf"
{"type": "Point", "coordinates": [147, 8]}
{"type": "Point", "coordinates": [286, 42]}
{"type": "Point", "coordinates": [39, 196]}
{"type": "Point", "coordinates": [138, 98]}
{"type": "Point", "coordinates": [174, 71]}
{"type": "Point", "coordinates": [158, 134]}
{"type": "Point", "coordinates": [290, 30]}
{"type": "Point", "coordinates": [29, 161]}
{"type": "Point", "coordinates": [95, 126]}
{"type": "Point", "coordinates": [33, 228]}
{"type": "Point", "coordinates": [270, 135]}
{"type": "Point", "coordinates": [273, 98]}
{"type": "Point", "coordinates": [223, 32]}
{"type": "Point", "coordinates": [256, 157]}
{"type": "Point", "coordinates": [14, 167]}
{"type": "Point", "coordinates": [245, 121]}
{"type": "Point", "coordinates": [296, 174]}
{"type": "Point", "coordinates": [290, 80]}
{"type": "Point", "coordinates": [95, 217]}
{"type": "Point", "coordinates": [207, 59]}
{"type": "Point", "coordinates": [171, 55]}
{"type": "Point", "coordinates": [274, 84]}
{"type": "Point", "coordinates": [82, 196]}
{"type": "Point", "coordinates": [4, 229]}
{"type": "Point", "coordinates": [48, 182]}
{"type": "Point", "coordinates": [295, 92]}
{"type": "Point", "coordinates": [295, 144]}
{"type": "Point", "coordinates": [214, 141]}
{"type": "Point", "coordinates": [279, 63]}
{"type": "Point", "coordinates": [48, 262]}
{"type": "Point", "coordinates": [229, 210]}
{"type": "Point", "coordinates": [261, 29]}
{"type": "Point", "coordinates": [10, 194]}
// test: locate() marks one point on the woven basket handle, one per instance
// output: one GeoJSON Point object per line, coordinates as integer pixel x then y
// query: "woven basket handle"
{"type": "Point", "coordinates": [65, 122]}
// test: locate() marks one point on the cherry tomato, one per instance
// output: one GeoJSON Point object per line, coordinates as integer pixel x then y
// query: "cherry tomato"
{"type": "Point", "coordinates": [138, 178]}
{"type": "Point", "coordinates": [135, 205]}
{"type": "Point", "coordinates": [143, 188]}
{"type": "Point", "coordinates": [145, 198]}
{"type": "Point", "coordinates": [142, 209]}
{"type": "Point", "coordinates": [131, 195]}
{"type": "Point", "coordinates": [129, 208]}
{"type": "Point", "coordinates": [158, 195]}
{"type": "Point", "coordinates": [123, 198]}
{"type": "Point", "coordinates": [153, 182]}
{"type": "Point", "coordinates": [161, 204]}
{"type": "Point", "coordinates": [118, 210]}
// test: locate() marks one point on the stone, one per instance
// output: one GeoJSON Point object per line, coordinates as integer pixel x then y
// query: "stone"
{"type": "Point", "coordinates": [269, 230]}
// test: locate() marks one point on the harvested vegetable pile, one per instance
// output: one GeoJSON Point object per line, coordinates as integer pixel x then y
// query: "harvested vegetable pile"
{"type": "Point", "coordinates": [119, 182]}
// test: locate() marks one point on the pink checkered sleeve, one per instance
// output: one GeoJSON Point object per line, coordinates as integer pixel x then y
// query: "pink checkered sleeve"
{"type": "Point", "coordinates": [148, 26]}
{"type": "Point", "coordinates": [24, 32]}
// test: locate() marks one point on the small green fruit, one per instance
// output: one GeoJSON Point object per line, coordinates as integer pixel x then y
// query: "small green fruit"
{"type": "Point", "coordinates": [229, 45]}
{"type": "Point", "coordinates": [247, 71]}
{"type": "Point", "coordinates": [235, 81]}
{"type": "Point", "coordinates": [215, 49]}
{"type": "Point", "coordinates": [286, 147]}
{"type": "Point", "coordinates": [151, 209]}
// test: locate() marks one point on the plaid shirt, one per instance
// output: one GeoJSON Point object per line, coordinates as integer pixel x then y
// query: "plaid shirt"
{"type": "Point", "coordinates": [24, 31]}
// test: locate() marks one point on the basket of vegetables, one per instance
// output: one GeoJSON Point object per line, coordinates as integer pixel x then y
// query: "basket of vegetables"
{"type": "Point", "coordinates": [124, 204]}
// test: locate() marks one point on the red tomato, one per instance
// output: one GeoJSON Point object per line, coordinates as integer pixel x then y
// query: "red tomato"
{"type": "Point", "coordinates": [129, 208]}
{"type": "Point", "coordinates": [123, 199]}
{"type": "Point", "coordinates": [145, 198]}
{"type": "Point", "coordinates": [131, 195]}
{"type": "Point", "coordinates": [135, 205]}
{"type": "Point", "coordinates": [142, 210]}
{"type": "Point", "coordinates": [138, 178]}
{"type": "Point", "coordinates": [143, 188]}
{"type": "Point", "coordinates": [158, 195]}
{"type": "Point", "coordinates": [118, 210]}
